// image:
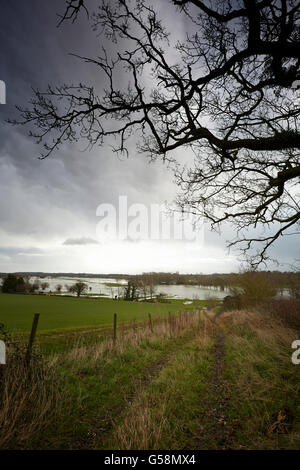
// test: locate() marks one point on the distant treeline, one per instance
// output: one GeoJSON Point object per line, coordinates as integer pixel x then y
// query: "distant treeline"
{"type": "Point", "coordinates": [278, 279]}
{"type": "Point", "coordinates": [76, 275]}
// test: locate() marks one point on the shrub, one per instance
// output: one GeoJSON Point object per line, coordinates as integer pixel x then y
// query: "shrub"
{"type": "Point", "coordinates": [288, 310]}
{"type": "Point", "coordinates": [13, 283]}
{"type": "Point", "coordinates": [255, 288]}
{"type": "Point", "coordinates": [232, 302]}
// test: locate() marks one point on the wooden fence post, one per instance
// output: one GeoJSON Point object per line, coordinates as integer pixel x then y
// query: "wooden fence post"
{"type": "Point", "coordinates": [170, 323]}
{"type": "Point", "coordinates": [115, 328]}
{"type": "Point", "coordinates": [150, 322]}
{"type": "Point", "coordinates": [199, 318]}
{"type": "Point", "coordinates": [32, 337]}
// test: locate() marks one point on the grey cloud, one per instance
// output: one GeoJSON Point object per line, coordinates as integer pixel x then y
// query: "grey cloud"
{"type": "Point", "coordinates": [20, 251]}
{"type": "Point", "coordinates": [80, 241]}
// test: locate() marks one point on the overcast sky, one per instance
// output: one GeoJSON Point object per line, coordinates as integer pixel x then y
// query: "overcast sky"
{"type": "Point", "coordinates": [48, 208]}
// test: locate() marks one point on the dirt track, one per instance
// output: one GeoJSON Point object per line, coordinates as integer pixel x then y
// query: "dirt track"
{"type": "Point", "coordinates": [218, 430]}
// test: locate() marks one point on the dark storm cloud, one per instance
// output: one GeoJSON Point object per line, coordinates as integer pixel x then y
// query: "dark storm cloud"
{"type": "Point", "coordinates": [34, 53]}
{"type": "Point", "coordinates": [45, 204]}
{"type": "Point", "coordinates": [54, 199]}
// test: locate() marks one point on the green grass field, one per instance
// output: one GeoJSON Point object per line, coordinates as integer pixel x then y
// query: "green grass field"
{"type": "Point", "coordinates": [66, 313]}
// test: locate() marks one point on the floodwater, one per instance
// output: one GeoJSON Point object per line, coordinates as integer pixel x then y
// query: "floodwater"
{"type": "Point", "coordinates": [100, 286]}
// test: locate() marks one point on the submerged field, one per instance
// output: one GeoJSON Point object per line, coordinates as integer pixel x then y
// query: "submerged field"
{"type": "Point", "coordinates": [70, 313]}
{"type": "Point", "coordinates": [193, 381]}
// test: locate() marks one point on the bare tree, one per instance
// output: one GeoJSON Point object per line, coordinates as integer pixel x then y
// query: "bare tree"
{"type": "Point", "coordinates": [44, 285]}
{"type": "Point", "coordinates": [146, 285]}
{"type": "Point", "coordinates": [225, 93]}
{"type": "Point", "coordinates": [78, 288]}
{"type": "Point", "coordinates": [133, 289]}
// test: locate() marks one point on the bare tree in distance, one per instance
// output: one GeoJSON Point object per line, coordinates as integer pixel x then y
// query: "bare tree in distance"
{"type": "Point", "coordinates": [44, 285]}
{"type": "Point", "coordinates": [78, 288]}
{"type": "Point", "coordinates": [225, 93]}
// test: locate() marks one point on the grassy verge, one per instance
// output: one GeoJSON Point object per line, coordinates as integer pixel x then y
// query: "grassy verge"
{"type": "Point", "coordinates": [263, 381]}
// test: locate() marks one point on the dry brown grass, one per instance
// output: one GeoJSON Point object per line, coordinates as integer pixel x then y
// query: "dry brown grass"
{"type": "Point", "coordinates": [29, 400]}
{"type": "Point", "coordinates": [140, 428]}
{"type": "Point", "coordinates": [133, 336]}
{"type": "Point", "coordinates": [263, 376]}
{"type": "Point", "coordinates": [263, 324]}
{"type": "Point", "coordinates": [287, 310]}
